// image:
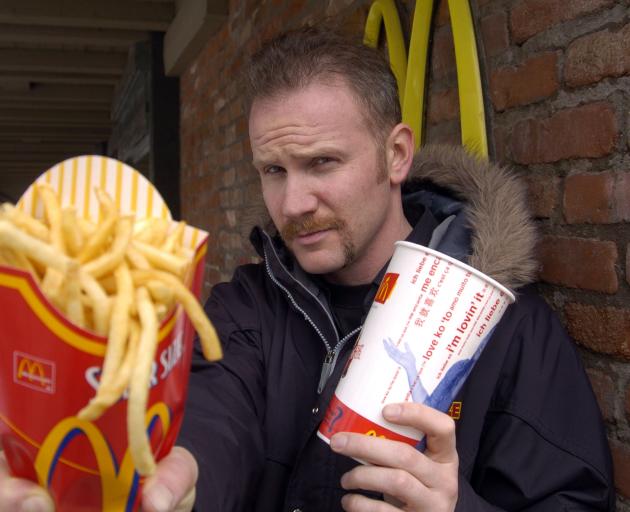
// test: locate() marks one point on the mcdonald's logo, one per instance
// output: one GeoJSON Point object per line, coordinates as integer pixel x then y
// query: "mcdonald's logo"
{"type": "Point", "coordinates": [33, 372]}
{"type": "Point", "coordinates": [455, 410]}
{"type": "Point", "coordinates": [386, 288]}
{"type": "Point", "coordinates": [411, 72]}
{"type": "Point", "coordinates": [119, 482]}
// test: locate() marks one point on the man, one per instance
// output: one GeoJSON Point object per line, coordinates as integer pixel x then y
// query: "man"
{"type": "Point", "coordinates": [333, 157]}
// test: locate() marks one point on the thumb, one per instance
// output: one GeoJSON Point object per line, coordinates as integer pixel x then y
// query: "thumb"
{"type": "Point", "coordinates": [172, 487]}
{"type": "Point", "coordinates": [21, 495]}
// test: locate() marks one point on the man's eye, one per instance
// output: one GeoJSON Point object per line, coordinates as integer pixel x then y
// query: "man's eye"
{"type": "Point", "coordinates": [273, 169]}
{"type": "Point", "coordinates": [321, 160]}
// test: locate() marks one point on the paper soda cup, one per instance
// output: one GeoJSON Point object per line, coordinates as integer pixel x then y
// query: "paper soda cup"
{"type": "Point", "coordinates": [49, 368]}
{"type": "Point", "coordinates": [430, 319]}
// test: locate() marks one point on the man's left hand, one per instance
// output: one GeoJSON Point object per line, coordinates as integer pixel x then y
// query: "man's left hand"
{"type": "Point", "coordinates": [419, 481]}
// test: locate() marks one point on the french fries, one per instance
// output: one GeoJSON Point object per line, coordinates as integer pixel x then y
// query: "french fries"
{"type": "Point", "coordinates": [139, 383]}
{"type": "Point", "coordinates": [119, 278]}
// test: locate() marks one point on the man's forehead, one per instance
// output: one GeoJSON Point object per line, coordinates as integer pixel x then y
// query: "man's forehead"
{"type": "Point", "coordinates": [307, 111]}
{"type": "Point", "coordinates": [329, 97]}
{"type": "Point", "coordinates": [316, 93]}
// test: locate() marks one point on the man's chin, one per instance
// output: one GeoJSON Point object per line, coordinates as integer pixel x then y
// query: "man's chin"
{"type": "Point", "coordinates": [318, 262]}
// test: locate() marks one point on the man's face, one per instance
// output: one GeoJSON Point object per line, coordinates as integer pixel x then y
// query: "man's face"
{"type": "Point", "coordinates": [324, 178]}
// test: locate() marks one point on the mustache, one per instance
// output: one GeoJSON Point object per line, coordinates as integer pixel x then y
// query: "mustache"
{"type": "Point", "coordinates": [308, 224]}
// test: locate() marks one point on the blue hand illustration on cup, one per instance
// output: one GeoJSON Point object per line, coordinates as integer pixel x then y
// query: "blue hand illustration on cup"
{"type": "Point", "coordinates": [443, 395]}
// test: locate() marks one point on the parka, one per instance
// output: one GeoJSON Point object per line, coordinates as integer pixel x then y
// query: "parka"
{"type": "Point", "coordinates": [529, 432]}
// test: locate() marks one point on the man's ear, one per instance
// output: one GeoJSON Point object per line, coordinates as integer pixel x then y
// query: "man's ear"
{"type": "Point", "coordinates": [399, 153]}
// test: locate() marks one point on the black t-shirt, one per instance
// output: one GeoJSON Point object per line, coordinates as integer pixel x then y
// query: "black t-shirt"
{"type": "Point", "coordinates": [349, 304]}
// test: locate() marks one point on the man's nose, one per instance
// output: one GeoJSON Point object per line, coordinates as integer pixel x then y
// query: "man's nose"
{"type": "Point", "coordinates": [300, 197]}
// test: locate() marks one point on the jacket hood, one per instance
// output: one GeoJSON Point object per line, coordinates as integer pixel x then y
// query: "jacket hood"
{"type": "Point", "coordinates": [503, 236]}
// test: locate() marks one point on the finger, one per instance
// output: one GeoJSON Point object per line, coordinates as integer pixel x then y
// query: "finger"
{"type": "Point", "coordinates": [437, 426]}
{"type": "Point", "coordinates": [172, 487]}
{"type": "Point", "coordinates": [385, 453]}
{"type": "Point", "coordinates": [359, 503]}
{"type": "Point", "coordinates": [394, 482]}
{"type": "Point", "coordinates": [20, 494]}
{"type": "Point", "coordinates": [4, 467]}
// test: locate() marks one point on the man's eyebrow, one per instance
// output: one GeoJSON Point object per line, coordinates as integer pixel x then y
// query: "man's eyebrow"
{"type": "Point", "coordinates": [315, 151]}
{"type": "Point", "coordinates": [259, 162]}
{"type": "Point", "coordinates": [303, 153]}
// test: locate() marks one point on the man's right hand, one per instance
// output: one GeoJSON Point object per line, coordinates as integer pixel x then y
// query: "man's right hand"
{"type": "Point", "coordinates": [171, 489]}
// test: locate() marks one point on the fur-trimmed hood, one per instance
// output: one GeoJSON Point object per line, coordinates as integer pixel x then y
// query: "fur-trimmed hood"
{"type": "Point", "coordinates": [503, 238]}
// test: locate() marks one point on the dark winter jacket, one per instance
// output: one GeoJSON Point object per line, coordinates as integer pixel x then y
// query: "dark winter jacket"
{"type": "Point", "coordinates": [529, 433]}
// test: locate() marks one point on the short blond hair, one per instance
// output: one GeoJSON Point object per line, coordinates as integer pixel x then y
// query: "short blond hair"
{"type": "Point", "coordinates": [298, 58]}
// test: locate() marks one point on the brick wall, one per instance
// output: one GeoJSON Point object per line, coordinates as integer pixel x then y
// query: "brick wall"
{"type": "Point", "coordinates": [557, 78]}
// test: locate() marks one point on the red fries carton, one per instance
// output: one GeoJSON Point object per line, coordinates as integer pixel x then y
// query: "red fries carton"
{"type": "Point", "coordinates": [50, 368]}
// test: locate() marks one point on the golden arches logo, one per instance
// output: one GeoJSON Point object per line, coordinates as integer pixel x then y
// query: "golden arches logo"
{"type": "Point", "coordinates": [32, 370]}
{"type": "Point", "coordinates": [119, 485]}
{"type": "Point", "coordinates": [411, 73]}
{"type": "Point", "coordinates": [455, 410]}
{"type": "Point", "coordinates": [386, 288]}
{"type": "Point", "coordinates": [372, 433]}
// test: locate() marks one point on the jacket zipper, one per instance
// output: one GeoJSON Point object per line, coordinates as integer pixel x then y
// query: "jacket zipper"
{"type": "Point", "coordinates": [331, 360]}
{"type": "Point", "coordinates": [331, 353]}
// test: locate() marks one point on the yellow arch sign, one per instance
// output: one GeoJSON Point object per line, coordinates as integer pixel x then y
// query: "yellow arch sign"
{"type": "Point", "coordinates": [411, 72]}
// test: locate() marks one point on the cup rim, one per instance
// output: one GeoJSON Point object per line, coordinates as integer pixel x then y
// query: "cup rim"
{"type": "Point", "coordinates": [460, 264]}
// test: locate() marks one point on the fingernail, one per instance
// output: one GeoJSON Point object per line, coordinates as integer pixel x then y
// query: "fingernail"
{"type": "Point", "coordinates": [338, 442]}
{"type": "Point", "coordinates": [392, 411]}
{"type": "Point", "coordinates": [160, 498]}
{"type": "Point", "coordinates": [36, 504]}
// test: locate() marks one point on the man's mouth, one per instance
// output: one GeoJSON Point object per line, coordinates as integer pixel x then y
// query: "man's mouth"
{"type": "Point", "coordinates": [314, 231]}
{"type": "Point", "coordinates": [311, 237]}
